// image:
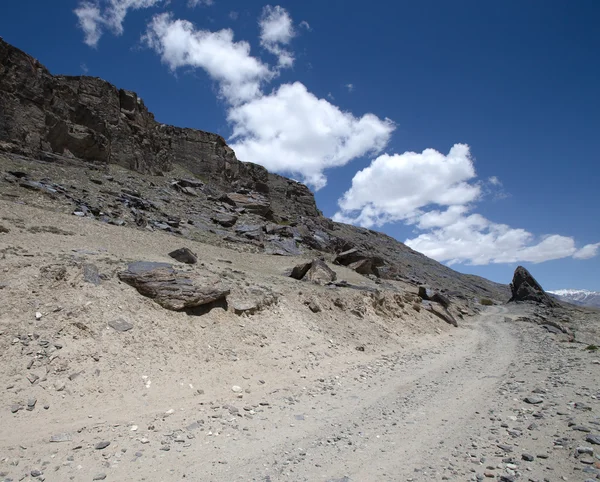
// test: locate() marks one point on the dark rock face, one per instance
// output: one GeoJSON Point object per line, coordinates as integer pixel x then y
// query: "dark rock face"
{"type": "Point", "coordinates": [524, 287]}
{"type": "Point", "coordinates": [184, 255]}
{"type": "Point", "coordinates": [90, 119]}
{"type": "Point", "coordinates": [360, 262]}
{"type": "Point", "coordinates": [170, 288]}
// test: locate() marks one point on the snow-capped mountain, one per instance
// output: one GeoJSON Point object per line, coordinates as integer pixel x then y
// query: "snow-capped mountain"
{"type": "Point", "coordinates": [578, 297]}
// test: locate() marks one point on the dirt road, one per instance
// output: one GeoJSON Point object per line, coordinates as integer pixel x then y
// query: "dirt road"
{"type": "Point", "coordinates": [450, 407]}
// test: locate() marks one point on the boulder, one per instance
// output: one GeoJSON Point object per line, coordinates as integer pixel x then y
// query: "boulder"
{"type": "Point", "coordinates": [250, 231]}
{"type": "Point", "coordinates": [428, 294]}
{"type": "Point", "coordinates": [360, 262]}
{"type": "Point", "coordinates": [224, 219]}
{"type": "Point", "coordinates": [524, 287]}
{"type": "Point", "coordinates": [184, 255]}
{"type": "Point", "coordinates": [300, 270]}
{"type": "Point", "coordinates": [282, 247]}
{"type": "Point", "coordinates": [440, 312]}
{"type": "Point", "coordinates": [315, 271]}
{"type": "Point", "coordinates": [251, 202]}
{"type": "Point", "coordinates": [170, 288]}
{"type": "Point", "coordinates": [320, 273]}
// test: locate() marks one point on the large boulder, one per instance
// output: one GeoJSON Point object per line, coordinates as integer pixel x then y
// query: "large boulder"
{"type": "Point", "coordinates": [170, 288]}
{"type": "Point", "coordinates": [524, 287]}
{"type": "Point", "coordinates": [315, 271]}
{"type": "Point", "coordinates": [359, 261]}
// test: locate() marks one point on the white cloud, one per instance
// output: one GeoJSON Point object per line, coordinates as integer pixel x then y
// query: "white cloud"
{"type": "Point", "coordinates": [195, 3]}
{"type": "Point", "coordinates": [233, 15]}
{"type": "Point", "coordinates": [306, 25]}
{"type": "Point", "coordinates": [494, 181]}
{"type": "Point", "coordinates": [228, 62]}
{"type": "Point", "coordinates": [587, 252]}
{"type": "Point", "coordinates": [350, 87]}
{"type": "Point", "coordinates": [292, 131]}
{"type": "Point", "coordinates": [96, 16]}
{"type": "Point", "coordinates": [436, 194]}
{"type": "Point", "coordinates": [288, 131]}
{"type": "Point", "coordinates": [276, 31]}
{"type": "Point", "coordinates": [396, 187]}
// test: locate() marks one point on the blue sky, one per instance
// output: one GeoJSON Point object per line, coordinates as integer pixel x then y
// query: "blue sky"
{"type": "Point", "coordinates": [468, 130]}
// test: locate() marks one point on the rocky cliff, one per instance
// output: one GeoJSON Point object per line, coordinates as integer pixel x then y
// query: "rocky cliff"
{"type": "Point", "coordinates": [94, 130]}
{"type": "Point", "coordinates": [90, 119]}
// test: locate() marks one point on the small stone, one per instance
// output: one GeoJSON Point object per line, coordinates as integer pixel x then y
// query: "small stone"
{"type": "Point", "coordinates": [314, 307]}
{"type": "Point", "coordinates": [236, 389]}
{"type": "Point", "coordinates": [99, 477]}
{"type": "Point", "coordinates": [165, 448]}
{"type": "Point", "coordinates": [36, 473]}
{"type": "Point", "coordinates": [506, 448]}
{"type": "Point", "coordinates": [585, 450]}
{"type": "Point", "coordinates": [15, 408]}
{"type": "Point", "coordinates": [102, 445]}
{"type": "Point", "coordinates": [31, 404]}
{"type": "Point", "coordinates": [593, 439]}
{"type": "Point", "coordinates": [144, 441]}
{"type": "Point", "coordinates": [38, 316]}
{"type": "Point", "coordinates": [32, 377]}
{"type": "Point", "coordinates": [527, 457]}
{"type": "Point", "coordinates": [61, 437]}
{"type": "Point", "coordinates": [120, 325]}
{"type": "Point", "coordinates": [581, 428]}
{"type": "Point", "coordinates": [532, 400]}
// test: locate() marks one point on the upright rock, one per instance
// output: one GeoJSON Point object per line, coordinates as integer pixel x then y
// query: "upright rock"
{"type": "Point", "coordinates": [524, 287]}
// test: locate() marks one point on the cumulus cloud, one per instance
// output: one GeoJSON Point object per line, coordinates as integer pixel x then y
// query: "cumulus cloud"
{"type": "Point", "coordinates": [396, 187]}
{"type": "Point", "coordinates": [587, 252]}
{"type": "Point", "coordinates": [94, 17]}
{"type": "Point", "coordinates": [228, 62]}
{"type": "Point", "coordinates": [436, 194]}
{"type": "Point", "coordinates": [350, 87]}
{"type": "Point", "coordinates": [289, 130]}
{"type": "Point", "coordinates": [293, 131]}
{"type": "Point", "coordinates": [277, 31]}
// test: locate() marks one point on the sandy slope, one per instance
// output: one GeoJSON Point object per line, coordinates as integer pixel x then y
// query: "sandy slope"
{"type": "Point", "coordinates": [423, 401]}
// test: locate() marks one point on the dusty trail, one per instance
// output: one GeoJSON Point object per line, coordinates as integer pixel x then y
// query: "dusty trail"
{"type": "Point", "coordinates": [445, 407]}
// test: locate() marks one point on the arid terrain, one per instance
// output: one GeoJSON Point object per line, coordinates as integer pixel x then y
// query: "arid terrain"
{"type": "Point", "coordinates": [369, 387]}
{"type": "Point", "coordinates": [168, 312]}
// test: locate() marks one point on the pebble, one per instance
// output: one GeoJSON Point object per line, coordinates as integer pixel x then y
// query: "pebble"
{"type": "Point", "coordinates": [102, 445]}
{"type": "Point", "coordinates": [99, 477]}
{"type": "Point", "coordinates": [585, 450]}
{"type": "Point", "coordinates": [527, 457]}
{"type": "Point", "coordinates": [593, 439]}
{"type": "Point", "coordinates": [61, 437]}
{"type": "Point", "coordinates": [532, 400]}
{"type": "Point", "coordinates": [236, 389]}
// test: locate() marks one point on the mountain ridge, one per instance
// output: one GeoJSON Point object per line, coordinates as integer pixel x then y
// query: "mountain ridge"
{"type": "Point", "coordinates": [87, 125]}
{"type": "Point", "coordinates": [580, 297]}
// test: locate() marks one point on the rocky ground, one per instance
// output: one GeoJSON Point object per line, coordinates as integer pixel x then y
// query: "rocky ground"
{"type": "Point", "coordinates": [288, 381]}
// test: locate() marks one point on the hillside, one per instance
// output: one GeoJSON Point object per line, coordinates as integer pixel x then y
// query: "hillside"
{"type": "Point", "coordinates": [81, 145]}
{"type": "Point", "coordinates": [169, 312]}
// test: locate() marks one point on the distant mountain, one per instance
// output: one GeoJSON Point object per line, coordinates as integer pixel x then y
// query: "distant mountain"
{"type": "Point", "coordinates": [578, 297]}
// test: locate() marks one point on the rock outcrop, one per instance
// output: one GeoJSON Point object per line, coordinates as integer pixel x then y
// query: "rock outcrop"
{"type": "Point", "coordinates": [90, 119]}
{"type": "Point", "coordinates": [92, 129]}
{"type": "Point", "coordinates": [170, 288]}
{"type": "Point", "coordinates": [524, 287]}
